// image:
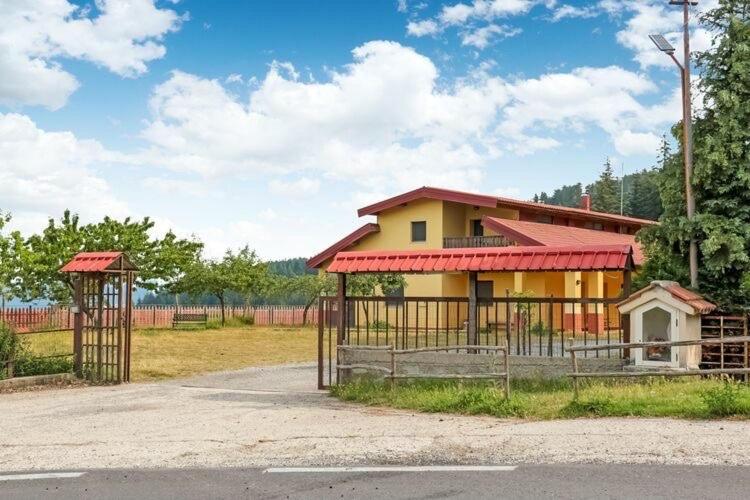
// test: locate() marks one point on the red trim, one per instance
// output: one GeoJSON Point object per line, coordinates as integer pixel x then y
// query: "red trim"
{"type": "Point", "coordinates": [431, 193]}
{"type": "Point", "coordinates": [515, 235]}
{"type": "Point", "coordinates": [481, 200]}
{"type": "Point", "coordinates": [504, 259]}
{"type": "Point", "coordinates": [342, 244]}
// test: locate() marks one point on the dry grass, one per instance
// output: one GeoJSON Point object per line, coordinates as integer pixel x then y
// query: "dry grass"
{"type": "Point", "coordinates": [165, 353]}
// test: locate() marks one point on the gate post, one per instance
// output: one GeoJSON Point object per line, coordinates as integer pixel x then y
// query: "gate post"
{"type": "Point", "coordinates": [78, 326]}
{"type": "Point", "coordinates": [321, 332]}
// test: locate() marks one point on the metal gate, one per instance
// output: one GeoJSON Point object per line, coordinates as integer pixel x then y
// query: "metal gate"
{"type": "Point", "coordinates": [327, 341]}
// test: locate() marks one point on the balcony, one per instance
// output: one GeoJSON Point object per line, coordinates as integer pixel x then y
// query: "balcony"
{"type": "Point", "coordinates": [476, 242]}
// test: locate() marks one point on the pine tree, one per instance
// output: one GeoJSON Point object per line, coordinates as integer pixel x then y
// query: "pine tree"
{"type": "Point", "coordinates": [721, 177]}
{"type": "Point", "coordinates": [605, 192]}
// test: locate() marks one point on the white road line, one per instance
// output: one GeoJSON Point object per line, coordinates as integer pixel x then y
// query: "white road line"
{"type": "Point", "coordinates": [41, 475]}
{"type": "Point", "coordinates": [398, 468]}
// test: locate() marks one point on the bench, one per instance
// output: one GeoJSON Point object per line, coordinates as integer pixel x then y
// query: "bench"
{"type": "Point", "coordinates": [189, 319]}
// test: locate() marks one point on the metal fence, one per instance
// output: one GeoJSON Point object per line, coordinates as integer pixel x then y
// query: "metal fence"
{"type": "Point", "coordinates": [529, 326]}
{"type": "Point", "coordinates": [40, 352]}
{"type": "Point", "coordinates": [30, 319]}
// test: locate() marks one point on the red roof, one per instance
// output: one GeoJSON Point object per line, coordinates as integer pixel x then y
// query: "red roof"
{"type": "Point", "coordinates": [535, 233]}
{"type": "Point", "coordinates": [98, 262]}
{"type": "Point", "coordinates": [579, 258]}
{"type": "Point", "coordinates": [696, 301]}
{"type": "Point", "coordinates": [343, 243]}
{"type": "Point", "coordinates": [495, 201]}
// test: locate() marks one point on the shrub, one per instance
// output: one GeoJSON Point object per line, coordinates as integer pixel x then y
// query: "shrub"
{"type": "Point", "coordinates": [723, 401]}
{"type": "Point", "coordinates": [27, 366]}
{"type": "Point", "coordinates": [10, 346]}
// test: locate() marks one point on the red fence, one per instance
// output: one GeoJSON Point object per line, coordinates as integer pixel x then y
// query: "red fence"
{"type": "Point", "coordinates": [25, 319]}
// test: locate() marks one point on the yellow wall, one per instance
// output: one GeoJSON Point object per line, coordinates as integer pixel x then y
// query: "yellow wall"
{"type": "Point", "coordinates": [395, 227]}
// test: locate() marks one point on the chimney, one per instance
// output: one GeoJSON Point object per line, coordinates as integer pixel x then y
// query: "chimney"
{"type": "Point", "coordinates": [586, 201]}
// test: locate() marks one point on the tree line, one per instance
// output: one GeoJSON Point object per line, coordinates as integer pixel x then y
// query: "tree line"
{"type": "Point", "coordinates": [635, 195]}
{"type": "Point", "coordinates": [168, 266]}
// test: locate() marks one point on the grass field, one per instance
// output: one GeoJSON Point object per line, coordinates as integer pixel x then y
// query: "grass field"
{"type": "Point", "coordinates": [166, 353]}
{"type": "Point", "coordinates": [537, 399]}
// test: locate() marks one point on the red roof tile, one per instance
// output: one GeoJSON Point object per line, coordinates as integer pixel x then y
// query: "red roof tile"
{"type": "Point", "coordinates": [535, 233]}
{"type": "Point", "coordinates": [481, 200]}
{"type": "Point", "coordinates": [507, 259]}
{"type": "Point", "coordinates": [342, 244]}
{"type": "Point", "coordinates": [696, 301]}
{"type": "Point", "coordinates": [97, 262]}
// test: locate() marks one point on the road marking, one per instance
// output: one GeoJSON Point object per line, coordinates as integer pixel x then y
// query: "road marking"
{"type": "Point", "coordinates": [404, 468]}
{"type": "Point", "coordinates": [41, 475]}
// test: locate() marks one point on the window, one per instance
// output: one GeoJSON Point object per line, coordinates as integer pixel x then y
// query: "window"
{"type": "Point", "coordinates": [485, 291]}
{"type": "Point", "coordinates": [598, 226]}
{"type": "Point", "coordinates": [394, 296]}
{"type": "Point", "coordinates": [419, 231]}
{"type": "Point", "coordinates": [544, 219]}
{"type": "Point", "coordinates": [476, 227]}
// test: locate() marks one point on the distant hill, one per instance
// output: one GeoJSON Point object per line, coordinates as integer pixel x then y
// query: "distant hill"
{"type": "Point", "coordinates": [290, 267]}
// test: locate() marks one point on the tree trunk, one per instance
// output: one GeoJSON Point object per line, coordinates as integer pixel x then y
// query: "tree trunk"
{"type": "Point", "coordinates": [307, 308]}
{"type": "Point", "coordinates": [221, 302]}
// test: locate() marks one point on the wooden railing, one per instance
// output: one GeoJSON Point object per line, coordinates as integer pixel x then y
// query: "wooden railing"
{"type": "Point", "coordinates": [476, 242]}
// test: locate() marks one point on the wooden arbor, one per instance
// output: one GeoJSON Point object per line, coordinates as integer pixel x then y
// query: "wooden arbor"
{"type": "Point", "coordinates": [103, 291]}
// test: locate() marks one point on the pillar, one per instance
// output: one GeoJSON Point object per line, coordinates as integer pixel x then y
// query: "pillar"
{"type": "Point", "coordinates": [572, 314]}
{"type": "Point", "coordinates": [341, 302]}
{"type": "Point", "coordinates": [471, 335]}
{"type": "Point", "coordinates": [518, 282]}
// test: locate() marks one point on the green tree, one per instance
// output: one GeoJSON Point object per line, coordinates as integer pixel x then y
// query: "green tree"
{"type": "Point", "coordinates": [605, 192]}
{"type": "Point", "coordinates": [10, 246]}
{"type": "Point", "coordinates": [159, 260]}
{"type": "Point", "coordinates": [240, 272]}
{"type": "Point", "coordinates": [721, 177]}
{"type": "Point", "coordinates": [643, 199]}
{"type": "Point", "coordinates": [309, 287]}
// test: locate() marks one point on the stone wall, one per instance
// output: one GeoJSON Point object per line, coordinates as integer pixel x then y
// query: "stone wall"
{"type": "Point", "coordinates": [443, 363]}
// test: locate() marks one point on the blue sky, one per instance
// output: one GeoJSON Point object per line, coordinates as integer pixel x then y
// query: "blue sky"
{"type": "Point", "coordinates": [269, 123]}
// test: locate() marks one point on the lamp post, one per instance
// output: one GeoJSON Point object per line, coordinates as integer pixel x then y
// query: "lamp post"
{"type": "Point", "coordinates": [687, 119]}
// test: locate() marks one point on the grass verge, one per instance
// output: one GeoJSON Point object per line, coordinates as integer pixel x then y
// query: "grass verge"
{"type": "Point", "coordinates": [167, 353]}
{"type": "Point", "coordinates": [549, 399]}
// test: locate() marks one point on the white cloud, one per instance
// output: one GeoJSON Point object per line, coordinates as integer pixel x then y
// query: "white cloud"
{"type": "Point", "coordinates": [422, 28]}
{"type": "Point", "coordinates": [475, 20]}
{"type": "Point", "coordinates": [234, 78]}
{"type": "Point", "coordinates": [379, 116]}
{"type": "Point", "coordinates": [171, 186]}
{"type": "Point", "coordinates": [634, 143]}
{"type": "Point", "coordinates": [299, 188]}
{"type": "Point", "coordinates": [402, 6]}
{"type": "Point", "coordinates": [481, 37]}
{"type": "Point", "coordinates": [36, 34]}
{"type": "Point", "coordinates": [655, 16]}
{"type": "Point", "coordinates": [570, 11]}
{"type": "Point", "coordinates": [43, 173]}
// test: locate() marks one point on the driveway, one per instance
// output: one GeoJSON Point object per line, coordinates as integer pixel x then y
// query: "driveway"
{"type": "Point", "coordinates": [274, 417]}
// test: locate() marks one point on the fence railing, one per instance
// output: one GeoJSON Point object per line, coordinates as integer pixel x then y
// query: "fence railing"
{"type": "Point", "coordinates": [666, 372]}
{"type": "Point", "coordinates": [392, 373]}
{"type": "Point", "coordinates": [530, 326]}
{"type": "Point", "coordinates": [476, 241]}
{"type": "Point", "coordinates": [29, 319]}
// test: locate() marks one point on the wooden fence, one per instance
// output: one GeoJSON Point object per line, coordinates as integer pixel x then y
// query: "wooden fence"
{"type": "Point", "coordinates": [28, 319]}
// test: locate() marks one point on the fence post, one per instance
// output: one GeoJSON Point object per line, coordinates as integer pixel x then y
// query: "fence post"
{"type": "Point", "coordinates": [575, 367]}
{"type": "Point", "coordinates": [321, 333]}
{"type": "Point", "coordinates": [506, 347]}
{"type": "Point", "coordinates": [393, 366]}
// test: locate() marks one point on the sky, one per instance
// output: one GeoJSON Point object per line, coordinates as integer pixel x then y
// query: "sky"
{"type": "Point", "coordinates": [268, 123]}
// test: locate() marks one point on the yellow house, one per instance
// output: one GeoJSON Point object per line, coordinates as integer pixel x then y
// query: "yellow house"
{"type": "Point", "coordinates": [432, 218]}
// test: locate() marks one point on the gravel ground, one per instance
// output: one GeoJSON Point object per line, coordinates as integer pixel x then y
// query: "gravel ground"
{"type": "Point", "coordinates": [273, 416]}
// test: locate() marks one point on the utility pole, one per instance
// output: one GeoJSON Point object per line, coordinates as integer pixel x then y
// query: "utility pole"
{"type": "Point", "coordinates": [687, 123]}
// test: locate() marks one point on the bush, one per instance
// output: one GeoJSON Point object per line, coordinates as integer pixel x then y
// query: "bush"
{"type": "Point", "coordinates": [723, 401]}
{"type": "Point", "coordinates": [10, 346]}
{"type": "Point", "coordinates": [27, 366]}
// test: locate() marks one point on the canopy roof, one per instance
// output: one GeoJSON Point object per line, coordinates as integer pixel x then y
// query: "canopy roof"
{"type": "Point", "coordinates": [98, 262]}
{"type": "Point", "coordinates": [536, 233]}
{"type": "Point", "coordinates": [696, 302]}
{"type": "Point", "coordinates": [503, 259]}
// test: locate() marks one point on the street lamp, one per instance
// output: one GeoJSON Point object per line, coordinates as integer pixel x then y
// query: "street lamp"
{"type": "Point", "coordinates": [687, 119]}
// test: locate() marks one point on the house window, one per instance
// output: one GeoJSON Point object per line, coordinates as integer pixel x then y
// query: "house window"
{"type": "Point", "coordinates": [598, 226]}
{"type": "Point", "coordinates": [394, 296]}
{"type": "Point", "coordinates": [544, 219]}
{"type": "Point", "coordinates": [476, 227]}
{"type": "Point", "coordinates": [419, 231]}
{"type": "Point", "coordinates": [485, 291]}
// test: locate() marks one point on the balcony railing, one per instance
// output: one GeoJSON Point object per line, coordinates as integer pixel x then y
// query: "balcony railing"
{"type": "Point", "coordinates": [476, 242]}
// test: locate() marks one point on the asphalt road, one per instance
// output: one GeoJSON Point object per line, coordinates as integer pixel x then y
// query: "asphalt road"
{"type": "Point", "coordinates": [523, 481]}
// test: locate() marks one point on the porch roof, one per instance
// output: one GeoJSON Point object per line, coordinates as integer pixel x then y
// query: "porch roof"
{"type": "Point", "coordinates": [89, 262]}
{"type": "Point", "coordinates": [501, 259]}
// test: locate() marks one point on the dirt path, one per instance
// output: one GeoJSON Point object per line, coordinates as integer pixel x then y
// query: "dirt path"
{"type": "Point", "coordinates": [273, 416]}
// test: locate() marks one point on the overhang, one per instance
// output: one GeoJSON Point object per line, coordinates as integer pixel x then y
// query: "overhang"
{"type": "Point", "coordinates": [501, 259]}
{"type": "Point", "coordinates": [342, 244]}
